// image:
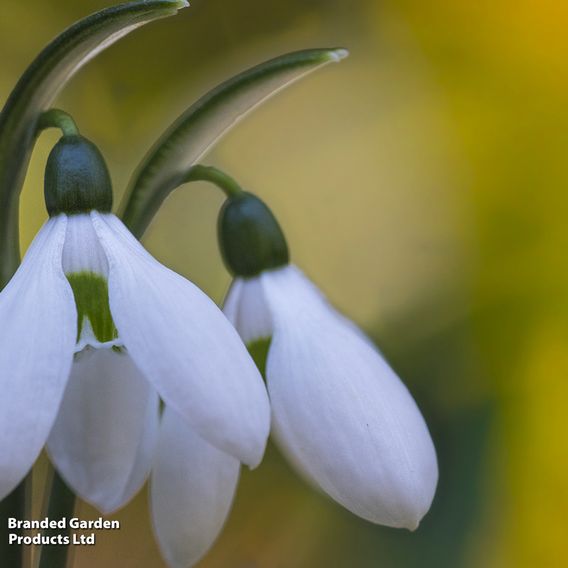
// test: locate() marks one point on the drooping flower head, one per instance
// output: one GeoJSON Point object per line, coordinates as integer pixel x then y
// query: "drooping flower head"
{"type": "Point", "coordinates": [94, 330]}
{"type": "Point", "coordinates": [339, 412]}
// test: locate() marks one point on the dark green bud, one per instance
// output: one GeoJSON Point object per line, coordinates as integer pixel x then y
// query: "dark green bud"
{"type": "Point", "coordinates": [76, 178]}
{"type": "Point", "coordinates": [250, 237]}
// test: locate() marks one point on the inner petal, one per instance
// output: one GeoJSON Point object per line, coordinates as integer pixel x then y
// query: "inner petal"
{"type": "Point", "coordinates": [94, 320]}
{"type": "Point", "coordinates": [86, 267]}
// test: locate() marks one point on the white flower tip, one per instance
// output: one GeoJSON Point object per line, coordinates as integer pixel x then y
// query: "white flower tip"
{"type": "Point", "coordinates": [108, 509]}
{"type": "Point", "coordinates": [182, 4]}
{"type": "Point", "coordinates": [338, 54]}
{"type": "Point", "coordinates": [253, 464]}
{"type": "Point", "coordinates": [410, 520]}
{"type": "Point", "coordinates": [412, 525]}
{"type": "Point", "coordinates": [253, 457]}
{"type": "Point", "coordinates": [250, 448]}
{"type": "Point", "coordinates": [404, 516]}
{"type": "Point", "coordinates": [415, 502]}
{"type": "Point", "coordinates": [416, 490]}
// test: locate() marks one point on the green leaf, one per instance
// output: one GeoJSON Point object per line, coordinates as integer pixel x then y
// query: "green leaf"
{"type": "Point", "coordinates": [36, 90]}
{"type": "Point", "coordinates": [203, 124]}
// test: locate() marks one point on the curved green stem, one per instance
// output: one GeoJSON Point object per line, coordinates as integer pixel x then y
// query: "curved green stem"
{"type": "Point", "coordinates": [138, 224]}
{"type": "Point", "coordinates": [61, 505]}
{"type": "Point", "coordinates": [15, 506]}
{"type": "Point", "coordinates": [57, 118]}
{"type": "Point", "coordinates": [213, 175]}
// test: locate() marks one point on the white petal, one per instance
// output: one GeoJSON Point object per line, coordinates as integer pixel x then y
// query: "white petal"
{"type": "Point", "coordinates": [246, 309]}
{"type": "Point", "coordinates": [192, 489]}
{"type": "Point", "coordinates": [82, 251]}
{"type": "Point", "coordinates": [184, 345]}
{"type": "Point", "coordinates": [341, 413]}
{"type": "Point", "coordinates": [38, 328]}
{"type": "Point", "coordinates": [104, 438]}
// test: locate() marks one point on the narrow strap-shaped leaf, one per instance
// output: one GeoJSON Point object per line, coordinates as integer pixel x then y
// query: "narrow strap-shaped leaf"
{"type": "Point", "coordinates": [36, 90]}
{"type": "Point", "coordinates": [202, 124]}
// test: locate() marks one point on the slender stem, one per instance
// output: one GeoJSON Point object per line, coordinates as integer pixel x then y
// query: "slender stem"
{"type": "Point", "coordinates": [15, 505]}
{"type": "Point", "coordinates": [61, 505]}
{"type": "Point", "coordinates": [57, 118]}
{"type": "Point", "coordinates": [137, 219]}
{"type": "Point", "coordinates": [213, 175]}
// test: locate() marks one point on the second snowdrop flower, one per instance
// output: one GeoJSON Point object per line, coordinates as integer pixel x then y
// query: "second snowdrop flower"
{"type": "Point", "coordinates": [93, 330]}
{"type": "Point", "coordinates": [340, 413]}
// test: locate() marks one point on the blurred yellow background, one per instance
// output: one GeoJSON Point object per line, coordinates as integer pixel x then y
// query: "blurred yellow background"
{"type": "Point", "coordinates": [422, 183]}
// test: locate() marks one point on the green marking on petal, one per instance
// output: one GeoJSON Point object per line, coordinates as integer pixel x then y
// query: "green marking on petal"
{"type": "Point", "coordinates": [258, 350]}
{"type": "Point", "coordinates": [91, 297]}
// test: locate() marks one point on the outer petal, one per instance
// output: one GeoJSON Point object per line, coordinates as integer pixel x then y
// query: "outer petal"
{"type": "Point", "coordinates": [104, 438]}
{"type": "Point", "coordinates": [184, 345]}
{"type": "Point", "coordinates": [38, 328]}
{"type": "Point", "coordinates": [341, 413]}
{"type": "Point", "coordinates": [193, 485]}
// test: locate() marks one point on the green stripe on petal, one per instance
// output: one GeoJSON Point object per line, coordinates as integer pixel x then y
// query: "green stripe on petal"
{"type": "Point", "coordinates": [91, 297]}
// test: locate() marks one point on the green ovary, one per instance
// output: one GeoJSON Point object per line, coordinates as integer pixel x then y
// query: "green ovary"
{"type": "Point", "coordinates": [91, 297]}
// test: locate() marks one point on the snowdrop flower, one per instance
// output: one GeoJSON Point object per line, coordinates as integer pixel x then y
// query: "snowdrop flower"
{"type": "Point", "coordinates": [92, 330]}
{"type": "Point", "coordinates": [339, 412]}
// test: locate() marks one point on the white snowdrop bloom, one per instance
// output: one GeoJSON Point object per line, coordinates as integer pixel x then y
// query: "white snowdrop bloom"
{"type": "Point", "coordinates": [339, 412]}
{"type": "Point", "coordinates": [94, 329]}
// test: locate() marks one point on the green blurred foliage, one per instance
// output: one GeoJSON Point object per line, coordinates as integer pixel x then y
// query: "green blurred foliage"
{"type": "Point", "coordinates": [422, 183]}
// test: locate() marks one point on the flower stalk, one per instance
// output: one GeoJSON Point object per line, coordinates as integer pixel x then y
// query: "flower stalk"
{"type": "Point", "coordinates": [250, 238]}
{"type": "Point", "coordinates": [57, 118]}
{"type": "Point", "coordinates": [61, 504]}
{"type": "Point", "coordinates": [15, 505]}
{"type": "Point", "coordinates": [214, 175]}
